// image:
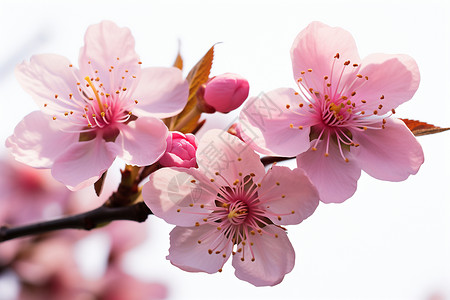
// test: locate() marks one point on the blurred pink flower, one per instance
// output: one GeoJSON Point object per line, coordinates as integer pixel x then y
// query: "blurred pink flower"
{"type": "Point", "coordinates": [29, 195]}
{"type": "Point", "coordinates": [340, 120]}
{"type": "Point", "coordinates": [180, 150]}
{"type": "Point", "coordinates": [89, 116]}
{"type": "Point", "coordinates": [226, 92]}
{"type": "Point", "coordinates": [117, 285]}
{"type": "Point", "coordinates": [230, 202]}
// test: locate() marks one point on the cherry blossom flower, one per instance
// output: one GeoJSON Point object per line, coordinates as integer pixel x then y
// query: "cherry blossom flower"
{"type": "Point", "coordinates": [180, 150]}
{"type": "Point", "coordinates": [229, 207]}
{"type": "Point", "coordinates": [226, 92]}
{"type": "Point", "coordinates": [107, 108]}
{"type": "Point", "coordinates": [340, 121]}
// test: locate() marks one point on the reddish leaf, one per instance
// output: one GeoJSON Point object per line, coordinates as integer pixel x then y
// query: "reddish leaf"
{"type": "Point", "coordinates": [421, 128]}
{"type": "Point", "coordinates": [178, 63]}
{"type": "Point", "coordinates": [197, 76]}
{"type": "Point", "coordinates": [98, 185]}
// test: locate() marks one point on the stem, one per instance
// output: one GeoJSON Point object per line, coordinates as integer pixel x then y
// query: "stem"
{"type": "Point", "coordinates": [267, 160]}
{"type": "Point", "coordinates": [89, 220]}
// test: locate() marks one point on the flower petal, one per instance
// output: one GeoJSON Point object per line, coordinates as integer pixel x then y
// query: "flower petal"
{"type": "Point", "coordinates": [143, 141]}
{"type": "Point", "coordinates": [315, 48]}
{"type": "Point", "coordinates": [274, 258]}
{"type": "Point", "coordinates": [395, 78]}
{"type": "Point", "coordinates": [187, 254]}
{"type": "Point", "coordinates": [162, 92]}
{"type": "Point", "coordinates": [83, 163]}
{"type": "Point", "coordinates": [270, 128]}
{"type": "Point", "coordinates": [390, 154]}
{"type": "Point", "coordinates": [170, 192]}
{"type": "Point", "coordinates": [106, 45]}
{"type": "Point", "coordinates": [49, 80]}
{"type": "Point", "coordinates": [334, 178]}
{"type": "Point", "coordinates": [37, 140]}
{"type": "Point", "coordinates": [288, 195]}
{"type": "Point", "coordinates": [221, 152]}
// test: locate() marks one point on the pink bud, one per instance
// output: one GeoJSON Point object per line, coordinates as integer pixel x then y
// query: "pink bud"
{"type": "Point", "coordinates": [226, 92]}
{"type": "Point", "coordinates": [180, 152]}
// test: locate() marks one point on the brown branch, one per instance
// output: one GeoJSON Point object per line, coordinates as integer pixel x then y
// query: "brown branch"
{"type": "Point", "coordinates": [86, 221]}
{"type": "Point", "coordinates": [267, 160]}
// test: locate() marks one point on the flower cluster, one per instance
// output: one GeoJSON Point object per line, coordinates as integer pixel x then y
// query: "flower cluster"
{"type": "Point", "coordinates": [225, 205]}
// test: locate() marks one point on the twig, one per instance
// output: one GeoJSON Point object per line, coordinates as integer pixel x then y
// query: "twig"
{"type": "Point", "coordinates": [86, 221]}
{"type": "Point", "coordinates": [267, 160]}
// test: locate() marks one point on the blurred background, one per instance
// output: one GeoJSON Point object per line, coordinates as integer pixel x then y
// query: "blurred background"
{"type": "Point", "coordinates": [389, 241]}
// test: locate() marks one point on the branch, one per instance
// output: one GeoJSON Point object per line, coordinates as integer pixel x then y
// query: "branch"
{"type": "Point", "coordinates": [267, 160]}
{"type": "Point", "coordinates": [86, 221]}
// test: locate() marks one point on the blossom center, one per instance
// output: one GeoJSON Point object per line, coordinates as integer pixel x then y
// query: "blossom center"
{"type": "Point", "coordinates": [237, 212]}
{"type": "Point", "coordinates": [97, 106]}
{"type": "Point", "coordinates": [334, 107]}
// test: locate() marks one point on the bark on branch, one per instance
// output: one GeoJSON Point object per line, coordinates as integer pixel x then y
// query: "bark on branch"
{"type": "Point", "coordinates": [85, 221]}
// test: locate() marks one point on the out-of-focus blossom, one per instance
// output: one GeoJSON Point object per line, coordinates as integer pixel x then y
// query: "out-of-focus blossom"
{"type": "Point", "coordinates": [107, 108]}
{"type": "Point", "coordinates": [117, 285]}
{"type": "Point", "coordinates": [226, 92]}
{"type": "Point", "coordinates": [228, 203]}
{"type": "Point", "coordinates": [29, 195]}
{"type": "Point", "coordinates": [341, 120]}
{"type": "Point", "coordinates": [180, 150]}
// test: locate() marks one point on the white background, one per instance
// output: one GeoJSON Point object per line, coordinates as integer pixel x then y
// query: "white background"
{"type": "Point", "coordinates": [390, 240]}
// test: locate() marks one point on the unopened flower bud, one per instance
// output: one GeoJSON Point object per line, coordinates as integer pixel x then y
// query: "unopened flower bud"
{"type": "Point", "coordinates": [226, 92]}
{"type": "Point", "coordinates": [180, 152]}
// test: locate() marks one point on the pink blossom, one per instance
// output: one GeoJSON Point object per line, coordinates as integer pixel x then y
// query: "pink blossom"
{"type": "Point", "coordinates": [29, 195]}
{"type": "Point", "coordinates": [118, 285]}
{"type": "Point", "coordinates": [107, 108]}
{"type": "Point", "coordinates": [229, 205]}
{"type": "Point", "coordinates": [180, 150]}
{"type": "Point", "coordinates": [340, 122]}
{"type": "Point", "coordinates": [226, 92]}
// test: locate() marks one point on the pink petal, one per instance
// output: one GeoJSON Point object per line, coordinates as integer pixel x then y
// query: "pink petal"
{"type": "Point", "coordinates": [83, 163]}
{"type": "Point", "coordinates": [315, 48]}
{"type": "Point", "coordinates": [265, 123]}
{"type": "Point", "coordinates": [103, 44]}
{"type": "Point", "coordinates": [44, 77]}
{"type": "Point", "coordinates": [37, 140]}
{"type": "Point", "coordinates": [294, 193]}
{"type": "Point", "coordinates": [143, 141]}
{"type": "Point", "coordinates": [170, 193]}
{"type": "Point", "coordinates": [334, 178]}
{"type": "Point", "coordinates": [162, 92]}
{"type": "Point", "coordinates": [392, 77]}
{"type": "Point", "coordinates": [221, 152]}
{"type": "Point", "coordinates": [390, 154]}
{"type": "Point", "coordinates": [274, 258]}
{"type": "Point", "coordinates": [187, 254]}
